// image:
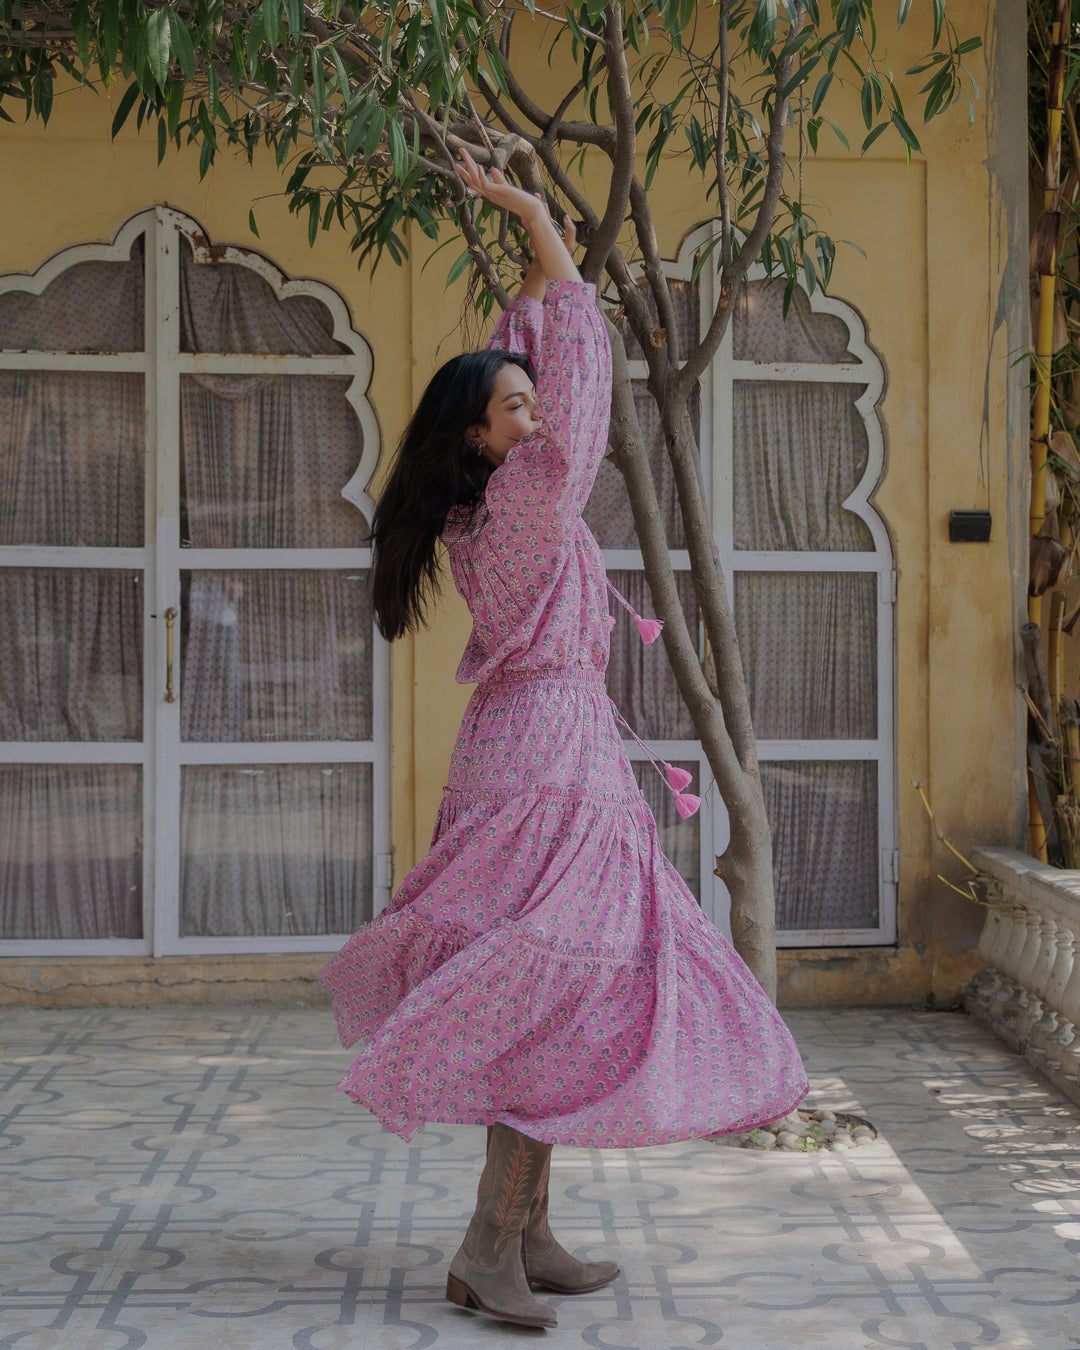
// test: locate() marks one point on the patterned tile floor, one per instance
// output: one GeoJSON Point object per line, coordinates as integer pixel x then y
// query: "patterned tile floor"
{"type": "Point", "coordinates": [188, 1178]}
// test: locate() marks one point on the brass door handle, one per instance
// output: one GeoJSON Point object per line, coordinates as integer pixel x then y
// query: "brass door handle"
{"type": "Point", "coordinates": [170, 619]}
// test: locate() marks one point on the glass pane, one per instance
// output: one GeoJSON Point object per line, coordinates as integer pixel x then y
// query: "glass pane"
{"type": "Point", "coordinates": [825, 843]}
{"type": "Point", "coordinates": [686, 302]}
{"type": "Point", "coordinates": [90, 307]}
{"type": "Point", "coordinates": [71, 458]}
{"type": "Point", "coordinates": [761, 333]}
{"type": "Point", "coordinates": [227, 307]}
{"type": "Point", "coordinates": [799, 451]}
{"type": "Point", "coordinates": [263, 459]}
{"type": "Point", "coordinates": [607, 512]}
{"type": "Point", "coordinates": [70, 851]}
{"type": "Point", "coordinates": [73, 644]}
{"type": "Point", "coordinates": [276, 656]}
{"type": "Point", "coordinates": [809, 650]}
{"type": "Point", "coordinates": [680, 839]}
{"type": "Point", "coordinates": [275, 850]}
{"type": "Point", "coordinates": [639, 678]}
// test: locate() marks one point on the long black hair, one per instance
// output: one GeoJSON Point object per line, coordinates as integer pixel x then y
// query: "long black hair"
{"type": "Point", "coordinates": [436, 469]}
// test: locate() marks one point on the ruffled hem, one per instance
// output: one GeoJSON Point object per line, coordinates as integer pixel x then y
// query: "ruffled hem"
{"type": "Point", "coordinates": [568, 1045]}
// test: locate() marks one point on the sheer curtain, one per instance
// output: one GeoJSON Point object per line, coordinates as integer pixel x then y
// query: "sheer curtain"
{"type": "Point", "coordinates": [808, 639]}
{"type": "Point", "coordinates": [278, 849]}
{"type": "Point", "coordinates": [799, 451]}
{"type": "Point", "coordinates": [72, 476]}
{"type": "Point", "coordinates": [270, 655]}
{"type": "Point", "coordinates": [809, 649]}
{"type": "Point", "coordinates": [825, 842]}
{"type": "Point", "coordinates": [263, 461]}
{"type": "Point", "coordinates": [72, 669]}
{"type": "Point", "coordinates": [230, 308]}
{"type": "Point", "coordinates": [760, 332]}
{"type": "Point", "coordinates": [276, 656]}
{"type": "Point", "coordinates": [70, 850]}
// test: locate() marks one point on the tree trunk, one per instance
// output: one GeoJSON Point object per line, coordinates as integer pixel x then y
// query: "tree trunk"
{"type": "Point", "coordinates": [746, 864]}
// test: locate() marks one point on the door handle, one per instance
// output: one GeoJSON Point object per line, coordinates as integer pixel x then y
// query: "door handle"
{"type": "Point", "coordinates": [170, 619]}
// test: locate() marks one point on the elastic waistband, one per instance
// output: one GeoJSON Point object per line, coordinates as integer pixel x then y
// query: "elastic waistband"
{"type": "Point", "coordinates": [552, 675]}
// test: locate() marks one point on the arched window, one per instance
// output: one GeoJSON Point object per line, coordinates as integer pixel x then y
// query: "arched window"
{"type": "Point", "coordinates": [194, 708]}
{"type": "Point", "coordinates": [792, 451]}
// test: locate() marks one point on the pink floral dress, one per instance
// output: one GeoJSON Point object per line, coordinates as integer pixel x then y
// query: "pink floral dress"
{"type": "Point", "coordinates": [545, 965]}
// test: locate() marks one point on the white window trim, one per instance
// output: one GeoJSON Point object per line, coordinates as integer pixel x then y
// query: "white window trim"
{"type": "Point", "coordinates": [162, 364]}
{"type": "Point", "coordinates": [716, 420]}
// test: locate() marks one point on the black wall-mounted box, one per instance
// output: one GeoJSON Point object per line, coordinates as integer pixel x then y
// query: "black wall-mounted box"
{"type": "Point", "coordinates": [969, 527]}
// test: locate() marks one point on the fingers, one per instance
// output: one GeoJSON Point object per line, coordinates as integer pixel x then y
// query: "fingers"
{"type": "Point", "coordinates": [569, 234]}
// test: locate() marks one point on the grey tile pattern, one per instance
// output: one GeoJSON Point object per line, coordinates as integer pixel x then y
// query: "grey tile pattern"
{"type": "Point", "coordinates": [189, 1178]}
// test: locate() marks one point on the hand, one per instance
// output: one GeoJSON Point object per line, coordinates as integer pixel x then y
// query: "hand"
{"type": "Point", "coordinates": [494, 188]}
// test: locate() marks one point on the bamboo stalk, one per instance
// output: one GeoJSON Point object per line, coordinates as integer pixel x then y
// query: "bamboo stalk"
{"type": "Point", "coordinates": [1044, 344]}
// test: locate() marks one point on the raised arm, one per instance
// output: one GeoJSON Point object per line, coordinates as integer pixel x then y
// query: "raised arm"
{"type": "Point", "coordinates": [552, 260]}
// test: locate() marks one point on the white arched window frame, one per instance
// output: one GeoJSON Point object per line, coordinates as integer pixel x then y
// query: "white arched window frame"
{"type": "Point", "coordinates": [160, 755]}
{"type": "Point", "coordinates": [717, 420]}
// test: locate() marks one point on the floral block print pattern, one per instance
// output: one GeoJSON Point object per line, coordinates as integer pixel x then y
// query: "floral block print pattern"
{"type": "Point", "coordinates": [545, 965]}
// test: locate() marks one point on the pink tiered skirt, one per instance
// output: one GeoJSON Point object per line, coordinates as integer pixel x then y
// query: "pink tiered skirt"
{"type": "Point", "coordinates": [545, 965]}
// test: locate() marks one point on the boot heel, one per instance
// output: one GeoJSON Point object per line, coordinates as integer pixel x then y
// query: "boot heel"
{"type": "Point", "coordinates": [459, 1293]}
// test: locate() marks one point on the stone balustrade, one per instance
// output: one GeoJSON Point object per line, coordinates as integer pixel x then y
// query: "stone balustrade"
{"type": "Point", "coordinates": [1029, 991]}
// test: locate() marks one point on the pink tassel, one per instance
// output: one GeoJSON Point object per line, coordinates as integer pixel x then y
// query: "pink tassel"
{"type": "Point", "coordinates": [686, 804]}
{"type": "Point", "coordinates": [649, 628]}
{"type": "Point", "coordinates": [678, 778]}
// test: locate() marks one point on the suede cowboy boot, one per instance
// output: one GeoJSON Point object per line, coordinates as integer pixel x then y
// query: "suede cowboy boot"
{"type": "Point", "coordinates": [488, 1272]}
{"type": "Point", "coordinates": [548, 1265]}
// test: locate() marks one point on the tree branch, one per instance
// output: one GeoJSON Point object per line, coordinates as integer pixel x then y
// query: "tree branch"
{"type": "Point", "coordinates": [625, 148]}
{"type": "Point", "coordinates": [733, 272]}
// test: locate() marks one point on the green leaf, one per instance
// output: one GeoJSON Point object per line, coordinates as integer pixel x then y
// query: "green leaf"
{"type": "Point", "coordinates": [318, 86]}
{"type": "Point", "coordinates": [902, 12]}
{"type": "Point", "coordinates": [174, 103]}
{"type": "Point", "coordinates": [123, 109]}
{"type": "Point", "coordinates": [939, 19]}
{"type": "Point", "coordinates": [399, 151]}
{"type": "Point", "coordinates": [460, 264]}
{"type": "Point", "coordinates": [356, 131]}
{"type": "Point", "coordinates": [866, 100]}
{"type": "Point", "coordinates": [251, 224]}
{"type": "Point", "coordinates": [110, 32]}
{"type": "Point", "coordinates": [159, 44]}
{"type": "Point", "coordinates": [80, 23]}
{"type": "Point", "coordinates": [900, 123]}
{"type": "Point", "coordinates": [820, 92]}
{"type": "Point", "coordinates": [271, 19]}
{"type": "Point", "coordinates": [869, 141]}
{"type": "Point", "coordinates": [212, 93]}
{"type": "Point", "coordinates": [181, 43]}
{"type": "Point", "coordinates": [162, 139]}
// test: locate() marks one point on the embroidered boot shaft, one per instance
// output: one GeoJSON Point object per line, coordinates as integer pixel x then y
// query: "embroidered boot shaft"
{"type": "Point", "coordinates": [488, 1272]}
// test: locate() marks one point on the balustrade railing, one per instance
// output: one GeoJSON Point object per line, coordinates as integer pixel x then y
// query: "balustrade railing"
{"type": "Point", "coordinates": [1029, 990]}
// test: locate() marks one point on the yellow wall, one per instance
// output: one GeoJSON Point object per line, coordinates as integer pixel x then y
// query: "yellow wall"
{"type": "Point", "coordinates": [942, 289]}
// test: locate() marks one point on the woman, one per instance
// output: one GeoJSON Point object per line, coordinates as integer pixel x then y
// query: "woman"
{"type": "Point", "coordinates": [544, 971]}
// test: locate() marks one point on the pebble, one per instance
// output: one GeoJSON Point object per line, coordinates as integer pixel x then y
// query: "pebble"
{"type": "Point", "coordinates": [805, 1131]}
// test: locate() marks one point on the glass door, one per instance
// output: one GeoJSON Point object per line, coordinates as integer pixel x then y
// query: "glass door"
{"type": "Point", "coordinates": [195, 714]}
